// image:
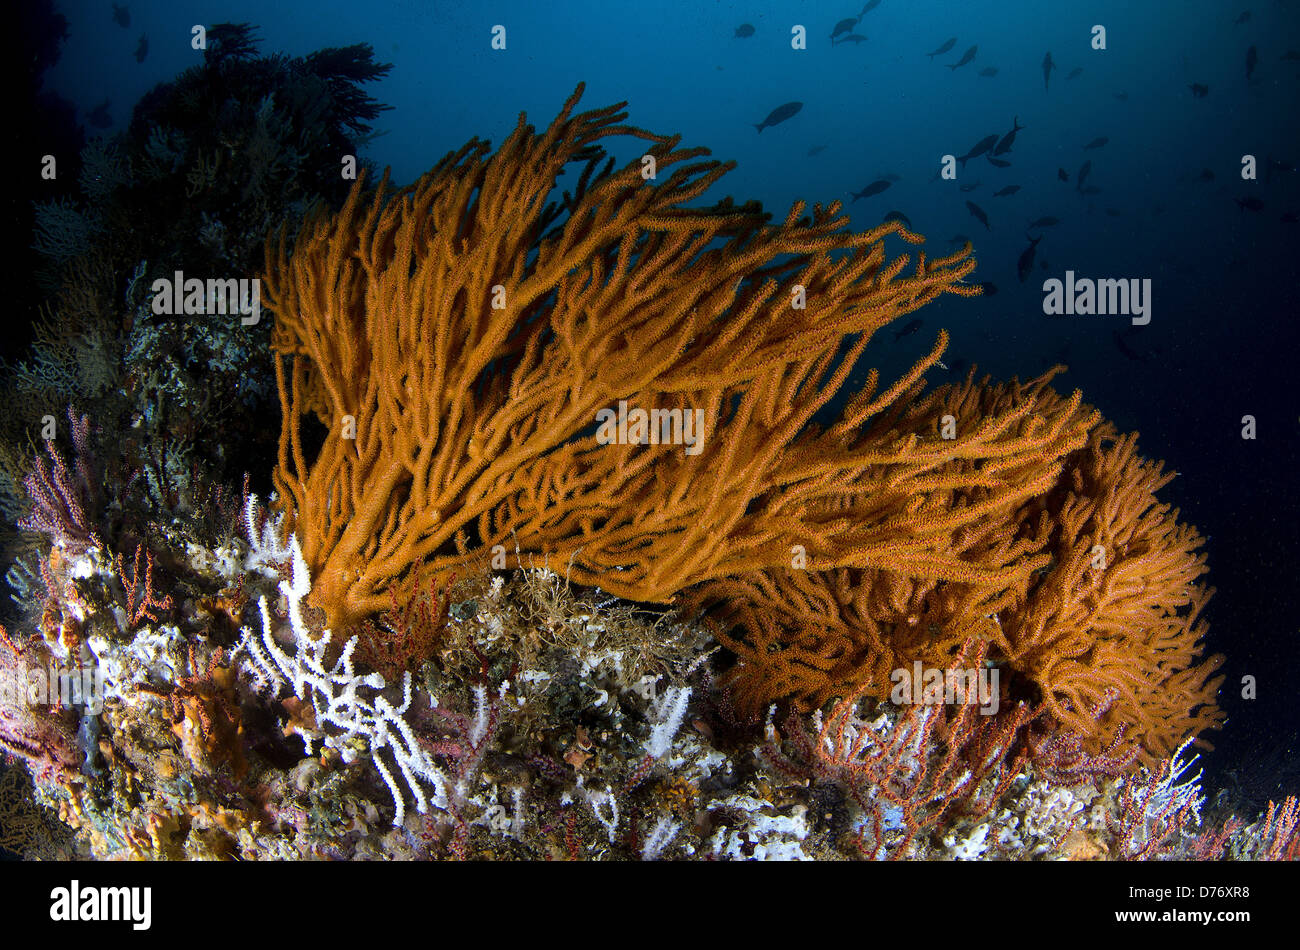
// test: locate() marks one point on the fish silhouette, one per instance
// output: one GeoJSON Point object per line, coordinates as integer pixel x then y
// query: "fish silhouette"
{"type": "Point", "coordinates": [1025, 266]}
{"type": "Point", "coordinates": [944, 48]}
{"type": "Point", "coordinates": [982, 146]}
{"type": "Point", "coordinates": [779, 115]}
{"type": "Point", "coordinates": [908, 329]}
{"type": "Point", "coordinates": [966, 57]}
{"type": "Point", "coordinates": [875, 188]}
{"type": "Point", "coordinates": [844, 26]}
{"type": "Point", "coordinates": [1009, 139]}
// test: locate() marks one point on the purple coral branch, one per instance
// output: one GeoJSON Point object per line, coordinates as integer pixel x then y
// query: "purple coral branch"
{"type": "Point", "coordinates": [59, 499]}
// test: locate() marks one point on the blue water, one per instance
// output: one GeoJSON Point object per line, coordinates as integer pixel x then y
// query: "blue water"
{"type": "Point", "coordinates": [1222, 341]}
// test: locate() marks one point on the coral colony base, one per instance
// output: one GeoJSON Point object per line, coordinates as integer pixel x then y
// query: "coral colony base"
{"type": "Point", "coordinates": [547, 726]}
{"type": "Point", "coordinates": [423, 649]}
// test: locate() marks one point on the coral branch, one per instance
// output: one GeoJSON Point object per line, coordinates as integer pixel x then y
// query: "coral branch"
{"type": "Point", "coordinates": [1156, 810]}
{"type": "Point", "coordinates": [141, 599]}
{"type": "Point", "coordinates": [345, 706]}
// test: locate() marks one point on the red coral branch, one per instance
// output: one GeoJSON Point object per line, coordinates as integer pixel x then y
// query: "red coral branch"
{"type": "Point", "coordinates": [1281, 833]}
{"type": "Point", "coordinates": [907, 777]}
{"type": "Point", "coordinates": [141, 600]}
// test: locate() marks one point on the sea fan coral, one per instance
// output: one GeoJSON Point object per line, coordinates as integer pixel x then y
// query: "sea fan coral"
{"type": "Point", "coordinates": [467, 352]}
{"type": "Point", "coordinates": [1104, 622]}
{"type": "Point", "coordinates": [460, 347]}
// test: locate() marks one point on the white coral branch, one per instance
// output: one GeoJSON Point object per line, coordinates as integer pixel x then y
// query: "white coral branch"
{"type": "Point", "coordinates": [348, 707]}
{"type": "Point", "coordinates": [660, 837]}
{"type": "Point", "coordinates": [669, 712]}
{"type": "Point", "coordinates": [265, 550]}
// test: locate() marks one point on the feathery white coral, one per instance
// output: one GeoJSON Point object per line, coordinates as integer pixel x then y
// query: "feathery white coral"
{"type": "Point", "coordinates": [349, 709]}
{"type": "Point", "coordinates": [669, 711]}
{"type": "Point", "coordinates": [660, 837]}
{"type": "Point", "coordinates": [264, 547]}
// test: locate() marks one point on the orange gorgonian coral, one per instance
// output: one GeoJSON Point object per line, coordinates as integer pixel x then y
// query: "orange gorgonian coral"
{"type": "Point", "coordinates": [446, 353]}
{"type": "Point", "coordinates": [1103, 623]}
{"type": "Point", "coordinates": [457, 344]}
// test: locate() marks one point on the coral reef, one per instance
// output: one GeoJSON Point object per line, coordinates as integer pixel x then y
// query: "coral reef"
{"type": "Point", "coordinates": [547, 725]}
{"type": "Point", "coordinates": [43, 735]}
{"type": "Point", "coordinates": [468, 626]}
{"type": "Point", "coordinates": [457, 341]}
{"type": "Point", "coordinates": [239, 143]}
